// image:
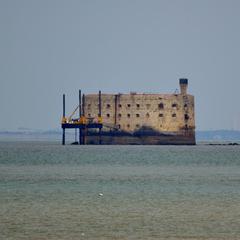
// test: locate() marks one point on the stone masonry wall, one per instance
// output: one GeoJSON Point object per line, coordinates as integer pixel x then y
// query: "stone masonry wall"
{"type": "Point", "coordinates": [130, 112]}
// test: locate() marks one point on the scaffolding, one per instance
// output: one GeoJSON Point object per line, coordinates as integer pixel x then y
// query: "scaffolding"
{"type": "Point", "coordinates": [82, 122]}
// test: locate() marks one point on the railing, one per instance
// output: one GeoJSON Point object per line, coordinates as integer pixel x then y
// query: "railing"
{"type": "Point", "coordinates": [82, 120]}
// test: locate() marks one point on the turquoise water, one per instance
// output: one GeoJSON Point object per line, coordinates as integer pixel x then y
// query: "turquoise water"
{"type": "Point", "coordinates": [49, 191]}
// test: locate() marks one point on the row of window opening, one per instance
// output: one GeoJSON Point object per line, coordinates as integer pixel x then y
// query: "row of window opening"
{"type": "Point", "coordinates": [138, 126]}
{"type": "Point", "coordinates": [128, 126]}
{"type": "Point", "coordinates": [148, 115]}
{"type": "Point", "coordinates": [160, 105]}
{"type": "Point", "coordinates": [186, 117]}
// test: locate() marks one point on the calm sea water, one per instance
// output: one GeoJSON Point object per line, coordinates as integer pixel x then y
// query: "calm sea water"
{"type": "Point", "coordinates": [49, 191]}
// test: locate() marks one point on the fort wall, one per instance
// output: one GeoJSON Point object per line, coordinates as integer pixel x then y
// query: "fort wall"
{"type": "Point", "coordinates": [148, 114]}
{"type": "Point", "coordinates": [130, 112]}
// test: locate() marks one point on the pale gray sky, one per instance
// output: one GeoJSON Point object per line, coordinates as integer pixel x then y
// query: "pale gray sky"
{"type": "Point", "coordinates": [51, 47]}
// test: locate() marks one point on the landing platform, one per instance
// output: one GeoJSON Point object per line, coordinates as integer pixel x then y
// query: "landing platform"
{"type": "Point", "coordinates": [82, 126]}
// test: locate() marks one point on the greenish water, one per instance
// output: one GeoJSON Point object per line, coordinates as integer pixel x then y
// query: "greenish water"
{"type": "Point", "coordinates": [49, 191]}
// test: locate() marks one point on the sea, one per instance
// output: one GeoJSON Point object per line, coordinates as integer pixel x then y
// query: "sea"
{"type": "Point", "coordinates": [54, 192]}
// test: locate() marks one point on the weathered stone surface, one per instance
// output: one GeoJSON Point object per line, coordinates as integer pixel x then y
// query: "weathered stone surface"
{"type": "Point", "coordinates": [152, 114]}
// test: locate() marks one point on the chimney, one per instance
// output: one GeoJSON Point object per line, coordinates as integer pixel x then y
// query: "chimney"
{"type": "Point", "coordinates": [183, 82]}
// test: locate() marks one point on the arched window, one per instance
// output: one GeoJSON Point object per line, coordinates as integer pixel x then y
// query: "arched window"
{"type": "Point", "coordinates": [160, 115]}
{"type": "Point", "coordinates": [119, 115]}
{"type": "Point", "coordinates": [174, 115]}
{"type": "Point", "coordinates": [128, 115]}
{"type": "Point", "coordinates": [137, 115]}
{"type": "Point", "coordinates": [108, 105]}
{"type": "Point", "coordinates": [138, 105]}
{"type": "Point", "coordinates": [174, 105]}
{"type": "Point", "coordinates": [108, 115]}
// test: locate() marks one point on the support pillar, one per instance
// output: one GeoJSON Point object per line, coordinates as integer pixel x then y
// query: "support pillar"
{"type": "Point", "coordinates": [63, 133]}
{"type": "Point", "coordinates": [80, 115]}
{"type": "Point", "coordinates": [63, 137]}
{"type": "Point", "coordinates": [115, 110]}
{"type": "Point", "coordinates": [83, 114]}
{"type": "Point", "coordinates": [99, 115]}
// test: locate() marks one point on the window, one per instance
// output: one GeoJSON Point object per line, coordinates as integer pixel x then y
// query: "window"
{"type": "Point", "coordinates": [89, 106]}
{"type": "Point", "coordinates": [89, 115]}
{"type": "Point", "coordinates": [128, 115]}
{"type": "Point", "coordinates": [186, 117]}
{"type": "Point", "coordinates": [185, 105]}
{"type": "Point", "coordinates": [129, 105]}
{"type": "Point", "coordinates": [160, 115]}
{"type": "Point", "coordinates": [137, 115]}
{"type": "Point", "coordinates": [128, 126]}
{"type": "Point", "coordinates": [147, 115]}
{"type": "Point", "coordinates": [119, 126]}
{"type": "Point", "coordinates": [108, 115]}
{"type": "Point", "coordinates": [138, 105]}
{"type": "Point", "coordinates": [108, 105]}
{"type": "Point", "coordinates": [119, 105]}
{"type": "Point", "coordinates": [137, 125]}
{"type": "Point", "coordinates": [160, 106]}
{"type": "Point", "coordinates": [174, 105]}
{"type": "Point", "coordinates": [119, 115]}
{"type": "Point", "coordinates": [174, 115]}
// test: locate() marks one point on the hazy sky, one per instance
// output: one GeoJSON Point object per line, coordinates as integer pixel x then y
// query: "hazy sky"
{"type": "Point", "coordinates": [51, 47]}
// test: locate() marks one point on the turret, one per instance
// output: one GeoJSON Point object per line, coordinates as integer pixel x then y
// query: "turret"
{"type": "Point", "coordinates": [183, 82]}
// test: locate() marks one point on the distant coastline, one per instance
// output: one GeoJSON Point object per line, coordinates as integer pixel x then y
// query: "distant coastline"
{"type": "Point", "coordinates": [55, 135]}
{"type": "Point", "coordinates": [218, 135]}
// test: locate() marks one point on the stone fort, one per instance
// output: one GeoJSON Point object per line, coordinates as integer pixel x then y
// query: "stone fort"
{"type": "Point", "coordinates": [142, 118]}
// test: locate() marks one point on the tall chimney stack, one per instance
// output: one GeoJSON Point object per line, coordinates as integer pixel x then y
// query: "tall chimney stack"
{"type": "Point", "coordinates": [183, 82]}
